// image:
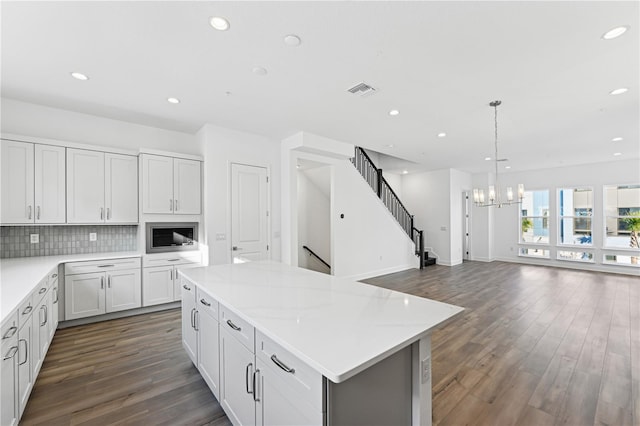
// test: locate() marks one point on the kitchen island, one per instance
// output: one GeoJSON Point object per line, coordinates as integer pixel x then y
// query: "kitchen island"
{"type": "Point", "coordinates": [283, 345]}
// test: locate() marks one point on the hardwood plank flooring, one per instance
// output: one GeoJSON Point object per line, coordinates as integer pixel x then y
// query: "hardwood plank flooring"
{"type": "Point", "coordinates": [535, 346]}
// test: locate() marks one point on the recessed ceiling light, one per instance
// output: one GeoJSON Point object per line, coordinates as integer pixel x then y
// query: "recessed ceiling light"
{"type": "Point", "coordinates": [389, 145]}
{"type": "Point", "coordinates": [259, 71]}
{"type": "Point", "coordinates": [615, 32]}
{"type": "Point", "coordinates": [79, 76]}
{"type": "Point", "coordinates": [507, 167]}
{"type": "Point", "coordinates": [442, 135]}
{"type": "Point", "coordinates": [219, 23]}
{"type": "Point", "coordinates": [394, 112]}
{"type": "Point", "coordinates": [618, 91]}
{"type": "Point", "coordinates": [292, 40]}
{"type": "Point", "coordinates": [404, 172]}
{"type": "Point", "coordinates": [617, 154]}
{"type": "Point", "coordinates": [487, 158]}
{"type": "Point", "coordinates": [618, 139]}
{"type": "Point", "coordinates": [173, 100]}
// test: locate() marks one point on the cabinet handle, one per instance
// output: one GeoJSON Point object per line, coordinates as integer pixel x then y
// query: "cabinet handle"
{"type": "Point", "coordinates": [10, 332]}
{"type": "Point", "coordinates": [38, 212]}
{"type": "Point", "coordinates": [44, 319]}
{"type": "Point", "coordinates": [173, 260]}
{"type": "Point", "coordinates": [176, 204]}
{"type": "Point", "coordinates": [282, 365]}
{"type": "Point", "coordinates": [26, 352]}
{"type": "Point", "coordinates": [106, 266]}
{"type": "Point", "coordinates": [193, 322]}
{"type": "Point", "coordinates": [196, 320]}
{"type": "Point", "coordinates": [42, 290]}
{"type": "Point", "coordinates": [102, 282]}
{"type": "Point", "coordinates": [186, 287]}
{"type": "Point", "coordinates": [255, 389]}
{"type": "Point", "coordinates": [11, 353]}
{"type": "Point", "coordinates": [55, 290]}
{"type": "Point", "coordinates": [54, 276]}
{"type": "Point", "coordinates": [171, 274]}
{"type": "Point", "coordinates": [29, 212]}
{"type": "Point", "coordinates": [101, 213]}
{"type": "Point", "coordinates": [170, 204]}
{"type": "Point", "coordinates": [46, 314]}
{"type": "Point", "coordinates": [108, 213]}
{"type": "Point", "coordinates": [204, 302]}
{"type": "Point", "coordinates": [109, 281]}
{"type": "Point", "coordinates": [27, 310]}
{"type": "Point", "coordinates": [232, 325]}
{"type": "Point", "coordinates": [246, 378]}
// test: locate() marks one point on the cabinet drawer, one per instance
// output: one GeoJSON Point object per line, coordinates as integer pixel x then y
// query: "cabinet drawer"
{"type": "Point", "coordinates": [179, 258]}
{"type": "Point", "coordinates": [25, 309]}
{"type": "Point", "coordinates": [40, 291]}
{"type": "Point", "coordinates": [53, 274]}
{"type": "Point", "coordinates": [106, 265]}
{"type": "Point", "coordinates": [208, 304]}
{"type": "Point", "coordinates": [237, 327]}
{"type": "Point", "coordinates": [9, 327]}
{"type": "Point", "coordinates": [304, 381]}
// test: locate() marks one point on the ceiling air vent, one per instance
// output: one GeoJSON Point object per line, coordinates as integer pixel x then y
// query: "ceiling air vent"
{"type": "Point", "coordinates": [362, 89]}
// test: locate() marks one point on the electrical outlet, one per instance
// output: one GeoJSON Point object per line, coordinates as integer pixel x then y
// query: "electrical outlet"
{"type": "Point", "coordinates": [221, 237]}
{"type": "Point", "coordinates": [425, 368]}
{"type": "Point", "coordinates": [443, 228]}
{"type": "Point", "coordinates": [35, 238]}
{"type": "Point", "coordinates": [93, 236]}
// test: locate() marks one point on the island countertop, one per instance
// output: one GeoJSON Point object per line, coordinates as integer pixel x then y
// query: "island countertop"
{"type": "Point", "coordinates": [338, 327]}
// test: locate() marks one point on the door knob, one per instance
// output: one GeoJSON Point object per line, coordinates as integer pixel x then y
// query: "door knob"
{"type": "Point", "coordinates": [235, 248]}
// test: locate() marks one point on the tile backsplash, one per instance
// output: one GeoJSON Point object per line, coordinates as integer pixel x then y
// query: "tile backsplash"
{"type": "Point", "coordinates": [66, 239]}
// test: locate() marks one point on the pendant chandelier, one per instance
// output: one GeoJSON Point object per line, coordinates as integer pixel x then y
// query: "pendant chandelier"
{"type": "Point", "coordinates": [494, 196]}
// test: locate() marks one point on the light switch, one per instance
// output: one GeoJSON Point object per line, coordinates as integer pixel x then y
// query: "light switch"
{"type": "Point", "coordinates": [221, 237]}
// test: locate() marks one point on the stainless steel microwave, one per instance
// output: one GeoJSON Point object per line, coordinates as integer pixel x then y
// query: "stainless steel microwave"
{"type": "Point", "coordinates": [171, 236]}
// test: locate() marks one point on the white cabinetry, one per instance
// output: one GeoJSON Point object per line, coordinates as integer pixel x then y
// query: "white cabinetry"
{"type": "Point", "coordinates": [101, 187]}
{"type": "Point", "coordinates": [95, 288]}
{"type": "Point", "coordinates": [189, 321]}
{"type": "Point", "coordinates": [160, 281]}
{"type": "Point", "coordinates": [9, 401]}
{"type": "Point", "coordinates": [170, 185]}
{"type": "Point", "coordinates": [33, 183]}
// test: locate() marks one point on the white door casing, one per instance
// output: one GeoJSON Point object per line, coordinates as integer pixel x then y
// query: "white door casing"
{"type": "Point", "coordinates": [249, 213]}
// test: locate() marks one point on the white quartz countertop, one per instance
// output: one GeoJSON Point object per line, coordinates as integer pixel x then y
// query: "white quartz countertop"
{"type": "Point", "coordinates": [19, 276]}
{"type": "Point", "coordinates": [338, 327]}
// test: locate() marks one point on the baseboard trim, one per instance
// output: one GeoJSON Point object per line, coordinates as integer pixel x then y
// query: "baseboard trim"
{"type": "Point", "coordinates": [592, 267]}
{"type": "Point", "coordinates": [116, 315]}
{"type": "Point", "coordinates": [376, 273]}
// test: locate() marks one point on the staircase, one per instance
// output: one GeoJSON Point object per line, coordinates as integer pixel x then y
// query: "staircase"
{"type": "Point", "coordinates": [373, 176]}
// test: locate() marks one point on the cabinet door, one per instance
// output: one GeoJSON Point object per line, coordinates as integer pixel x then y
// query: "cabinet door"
{"type": "Point", "coordinates": [43, 313]}
{"type": "Point", "coordinates": [208, 353]}
{"type": "Point", "coordinates": [85, 186]}
{"type": "Point", "coordinates": [186, 186]}
{"type": "Point", "coordinates": [50, 185]}
{"type": "Point", "coordinates": [55, 308]}
{"type": "Point", "coordinates": [84, 295]}
{"type": "Point", "coordinates": [25, 373]}
{"type": "Point", "coordinates": [189, 332]}
{"type": "Point", "coordinates": [236, 380]}
{"type": "Point", "coordinates": [157, 184]}
{"type": "Point", "coordinates": [8, 384]}
{"type": "Point", "coordinates": [17, 182]}
{"type": "Point", "coordinates": [123, 290]}
{"type": "Point", "coordinates": [121, 188]}
{"type": "Point", "coordinates": [157, 285]}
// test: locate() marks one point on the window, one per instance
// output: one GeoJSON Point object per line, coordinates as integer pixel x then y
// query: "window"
{"type": "Point", "coordinates": [576, 210]}
{"type": "Point", "coordinates": [622, 216]}
{"type": "Point", "coordinates": [576, 256]}
{"type": "Point", "coordinates": [534, 252]}
{"type": "Point", "coordinates": [622, 259]}
{"type": "Point", "coordinates": [534, 217]}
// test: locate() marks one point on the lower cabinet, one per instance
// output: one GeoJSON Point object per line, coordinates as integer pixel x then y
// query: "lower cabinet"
{"type": "Point", "coordinates": [9, 406]}
{"type": "Point", "coordinates": [90, 290]}
{"type": "Point", "coordinates": [189, 317]}
{"type": "Point", "coordinates": [237, 380]}
{"type": "Point", "coordinates": [25, 361]}
{"type": "Point", "coordinates": [161, 284]}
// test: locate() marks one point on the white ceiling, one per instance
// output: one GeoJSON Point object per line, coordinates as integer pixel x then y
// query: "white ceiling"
{"type": "Point", "coordinates": [439, 63]}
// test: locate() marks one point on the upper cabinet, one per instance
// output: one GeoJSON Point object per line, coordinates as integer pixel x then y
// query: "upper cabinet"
{"type": "Point", "coordinates": [170, 185]}
{"type": "Point", "coordinates": [33, 183]}
{"type": "Point", "coordinates": [101, 187]}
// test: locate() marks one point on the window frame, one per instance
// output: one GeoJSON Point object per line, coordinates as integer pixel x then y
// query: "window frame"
{"type": "Point", "coordinates": [521, 242]}
{"type": "Point", "coordinates": [605, 216]}
{"type": "Point", "coordinates": [573, 217]}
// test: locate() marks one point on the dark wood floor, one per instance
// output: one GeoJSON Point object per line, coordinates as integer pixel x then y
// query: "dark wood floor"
{"type": "Point", "coordinates": [535, 346]}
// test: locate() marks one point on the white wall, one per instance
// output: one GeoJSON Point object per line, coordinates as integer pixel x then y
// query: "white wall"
{"type": "Point", "coordinates": [368, 241]}
{"type": "Point", "coordinates": [395, 182]}
{"type": "Point", "coordinates": [222, 147]}
{"type": "Point", "coordinates": [28, 119]}
{"type": "Point", "coordinates": [314, 214]}
{"type": "Point", "coordinates": [592, 175]}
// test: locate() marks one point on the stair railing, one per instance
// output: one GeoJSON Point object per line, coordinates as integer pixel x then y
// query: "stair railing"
{"type": "Point", "coordinates": [312, 253]}
{"type": "Point", "coordinates": [373, 176]}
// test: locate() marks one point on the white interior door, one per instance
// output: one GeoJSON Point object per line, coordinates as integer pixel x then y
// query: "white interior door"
{"type": "Point", "coordinates": [249, 213]}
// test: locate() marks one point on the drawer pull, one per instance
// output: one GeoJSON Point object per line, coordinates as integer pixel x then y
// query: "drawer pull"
{"type": "Point", "coordinates": [246, 378]}
{"type": "Point", "coordinates": [186, 287]}
{"type": "Point", "coordinates": [26, 352]}
{"type": "Point", "coordinates": [204, 302]}
{"type": "Point", "coordinates": [54, 276]}
{"type": "Point", "coordinates": [232, 325]}
{"type": "Point", "coordinates": [10, 332]}
{"type": "Point", "coordinates": [27, 310]}
{"type": "Point", "coordinates": [280, 364]}
{"type": "Point", "coordinates": [11, 353]}
{"type": "Point", "coordinates": [106, 266]}
{"type": "Point", "coordinates": [172, 260]}
{"type": "Point", "coordinates": [255, 389]}
{"type": "Point", "coordinates": [42, 290]}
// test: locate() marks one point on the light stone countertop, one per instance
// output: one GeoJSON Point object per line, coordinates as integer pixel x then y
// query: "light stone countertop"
{"type": "Point", "coordinates": [338, 327]}
{"type": "Point", "coordinates": [19, 276]}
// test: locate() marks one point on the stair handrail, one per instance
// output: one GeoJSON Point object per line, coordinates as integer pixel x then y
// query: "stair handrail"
{"type": "Point", "coordinates": [316, 256]}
